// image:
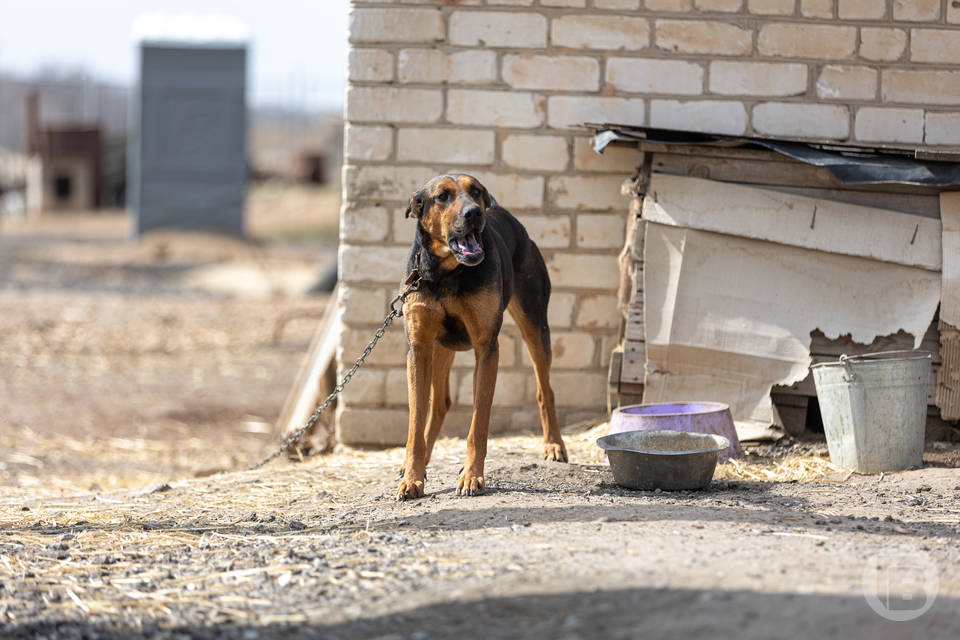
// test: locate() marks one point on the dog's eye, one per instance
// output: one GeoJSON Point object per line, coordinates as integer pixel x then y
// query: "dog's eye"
{"type": "Point", "coordinates": [475, 192]}
{"type": "Point", "coordinates": [443, 196]}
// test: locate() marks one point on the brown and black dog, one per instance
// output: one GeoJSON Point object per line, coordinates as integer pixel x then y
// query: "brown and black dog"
{"type": "Point", "coordinates": [475, 260]}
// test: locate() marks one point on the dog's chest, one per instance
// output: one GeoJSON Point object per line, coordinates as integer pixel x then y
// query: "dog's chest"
{"type": "Point", "coordinates": [453, 333]}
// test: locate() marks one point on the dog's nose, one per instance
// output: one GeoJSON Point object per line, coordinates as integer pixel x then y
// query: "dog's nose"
{"type": "Point", "coordinates": [472, 213]}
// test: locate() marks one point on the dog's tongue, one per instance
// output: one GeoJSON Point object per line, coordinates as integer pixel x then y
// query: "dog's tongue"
{"type": "Point", "coordinates": [469, 244]}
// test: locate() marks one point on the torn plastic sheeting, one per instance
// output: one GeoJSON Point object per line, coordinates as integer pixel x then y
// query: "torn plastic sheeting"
{"type": "Point", "coordinates": [850, 165]}
{"type": "Point", "coordinates": [727, 318]}
{"type": "Point", "coordinates": [784, 218]}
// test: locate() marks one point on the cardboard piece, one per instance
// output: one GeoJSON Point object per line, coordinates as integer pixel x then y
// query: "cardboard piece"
{"type": "Point", "coordinates": [948, 378]}
{"type": "Point", "coordinates": [729, 317]}
{"type": "Point", "coordinates": [800, 221]}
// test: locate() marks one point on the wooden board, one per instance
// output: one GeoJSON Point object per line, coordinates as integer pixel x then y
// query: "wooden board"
{"type": "Point", "coordinates": [312, 383]}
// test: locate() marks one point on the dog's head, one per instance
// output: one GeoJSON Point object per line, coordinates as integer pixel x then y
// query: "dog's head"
{"type": "Point", "coordinates": [452, 209]}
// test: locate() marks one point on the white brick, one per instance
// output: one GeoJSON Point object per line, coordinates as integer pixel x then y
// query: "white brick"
{"type": "Point", "coordinates": [721, 6]}
{"type": "Point", "coordinates": [942, 128]}
{"type": "Point", "coordinates": [387, 104]}
{"type": "Point", "coordinates": [374, 264]}
{"type": "Point", "coordinates": [816, 8]}
{"type": "Point", "coordinates": [461, 146]}
{"type": "Point", "coordinates": [772, 7]}
{"type": "Point", "coordinates": [797, 40]}
{"type": "Point", "coordinates": [580, 389]}
{"type": "Point", "coordinates": [758, 78]}
{"type": "Point", "coordinates": [572, 111]}
{"type": "Point", "coordinates": [367, 143]}
{"type": "Point", "coordinates": [383, 182]}
{"type": "Point", "coordinates": [935, 45]}
{"type": "Point", "coordinates": [514, 191]}
{"type": "Point", "coordinates": [510, 390]}
{"type": "Point", "coordinates": [920, 87]}
{"type": "Point", "coordinates": [495, 108]}
{"type": "Point", "coordinates": [395, 387]}
{"type": "Point", "coordinates": [614, 159]}
{"type": "Point", "coordinates": [391, 350]}
{"type": "Point", "coordinates": [371, 426]}
{"type": "Point", "coordinates": [839, 82]}
{"type": "Point", "coordinates": [704, 37]}
{"type": "Point", "coordinates": [368, 387]}
{"type": "Point", "coordinates": [917, 10]}
{"type": "Point", "coordinates": [472, 67]}
{"type": "Point", "coordinates": [598, 311]}
{"type": "Point", "coordinates": [560, 309]}
{"type": "Point", "coordinates": [880, 43]}
{"type": "Point", "coordinates": [640, 75]}
{"type": "Point", "coordinates": [498, 29]}
{"type": "Point", "coordinates": [599, 231]}
{"type": "Point", "coordinates": [582, 270]}
{"type": "Point", "coordinates": [572, 350]}
{"type": "Point", "coordinates": [861, 9]}
{"type": "Point", "coordinates": [709, 116]}
{"type": "Point", "coordinates": [801, 120]}
{"type": "Point", "coordinates": [563, 3]}
{"type": "Point", "coordinates": [364, 224]}
{"type": "Point", "coordinates": [548, 232]}
{"type": "Point", "coordinates": [527, 71]}
{"type": "Point", "coordinates": [359, 305]}
{"type": "Point", "coordinates": [953, 12]}
{"type": "Point", "coordinates": [668, 5]}
{"type": "Point", "coordinates": [396, 25]}
{"type": "Point", "coordinates": [432, 66]}
{"type": "Point", "coordinates": [512, 3]}
{"type": "Point", "coordinates": [616, 4]}
{"type": "Point", "coordinates": [597, 193]}
{"type": "Point", "coordinates": [600, 32]}
{"type": "Point", "coordinates": [370, 65]}
{"type": "Point", "coordinates": [889, 125]}
{"type": "Point", "coordinates": [536, 152]}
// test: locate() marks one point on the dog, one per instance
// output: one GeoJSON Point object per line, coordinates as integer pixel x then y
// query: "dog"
{"type": "Point", "coordinates": [475, 261]}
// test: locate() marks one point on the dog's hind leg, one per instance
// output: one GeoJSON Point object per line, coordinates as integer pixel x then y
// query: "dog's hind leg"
{"type": "Point", "coordinates": [439, 394]}
{"type": "Point", "coordinates": [532, 320]}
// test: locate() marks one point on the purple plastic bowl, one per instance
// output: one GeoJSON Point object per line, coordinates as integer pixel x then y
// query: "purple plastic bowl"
{"type": "Point", "coordinates": [693, 417]}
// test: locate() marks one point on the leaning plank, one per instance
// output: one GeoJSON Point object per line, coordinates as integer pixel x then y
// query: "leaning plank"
{"type": "Point", "coordinates": [310, 386]}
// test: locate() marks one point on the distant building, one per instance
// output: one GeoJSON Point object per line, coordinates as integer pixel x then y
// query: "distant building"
{"type": "Point", "coordinates": [64, 170]}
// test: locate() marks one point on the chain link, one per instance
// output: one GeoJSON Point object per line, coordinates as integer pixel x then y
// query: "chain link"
{"type": "Point", "coordinates": [395, 312]}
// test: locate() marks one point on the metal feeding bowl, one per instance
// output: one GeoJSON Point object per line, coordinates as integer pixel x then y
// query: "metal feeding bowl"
{"type": "Point", "coordinates": [667, 460]}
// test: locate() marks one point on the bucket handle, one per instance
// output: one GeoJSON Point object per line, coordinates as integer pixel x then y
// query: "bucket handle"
{"type": "Point", "coordinates": [848, 374]}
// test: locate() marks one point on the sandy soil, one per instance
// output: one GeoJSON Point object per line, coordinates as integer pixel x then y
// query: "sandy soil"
{"type": "Point", "coordinates": [130, 375]}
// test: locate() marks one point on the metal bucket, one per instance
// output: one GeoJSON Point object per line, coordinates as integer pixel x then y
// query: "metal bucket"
{"type": "Point", "coordinates": [874, 409]}
{"type": "Point", "coordinates": [693, 417]}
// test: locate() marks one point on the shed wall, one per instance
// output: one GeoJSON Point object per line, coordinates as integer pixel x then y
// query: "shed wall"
{"type": "Point", "coordinates": [497, 89]}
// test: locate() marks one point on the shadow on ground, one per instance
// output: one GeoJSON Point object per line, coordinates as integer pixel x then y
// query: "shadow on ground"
{"type": "Point", "coordinates": [613, 614]}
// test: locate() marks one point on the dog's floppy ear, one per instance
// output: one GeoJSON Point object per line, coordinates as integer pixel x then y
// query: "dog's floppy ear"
{"type": "Point", "coordinates": [484, 195]}
{"type": "Point", "coordinates": [415, 206]}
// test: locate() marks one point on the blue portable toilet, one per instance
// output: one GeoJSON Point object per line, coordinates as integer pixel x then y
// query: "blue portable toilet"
{"type": "Point", "coordinates": [187, 155]}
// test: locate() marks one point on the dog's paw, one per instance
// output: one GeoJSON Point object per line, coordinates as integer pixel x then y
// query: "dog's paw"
{"type": "Point", "coordinates": [470, 485]}
{"type": "Point", "coordinates": [410, 488]}
{"type": "Point", "coordinates": [555, 451]}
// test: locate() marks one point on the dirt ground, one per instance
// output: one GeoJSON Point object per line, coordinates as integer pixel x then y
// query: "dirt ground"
{"type": "Point", "coordinates": [139, 378]}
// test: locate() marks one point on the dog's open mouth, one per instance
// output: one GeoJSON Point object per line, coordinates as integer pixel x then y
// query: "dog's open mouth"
{"type": "Point", "coordinates": [467, 249]}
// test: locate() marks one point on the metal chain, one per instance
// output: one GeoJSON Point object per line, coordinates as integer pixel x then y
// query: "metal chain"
{"type": "Point", "coordinates": [395, 312]}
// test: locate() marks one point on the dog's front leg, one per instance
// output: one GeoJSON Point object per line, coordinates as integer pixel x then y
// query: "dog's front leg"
{"type": "Point", "coordinates": [419, 365]}
{"type": "Point", "coordinates": [484, 384]}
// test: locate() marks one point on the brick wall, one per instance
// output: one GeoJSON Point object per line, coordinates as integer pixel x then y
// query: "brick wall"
{"type": "Point", "coordinates": [496, 89]}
